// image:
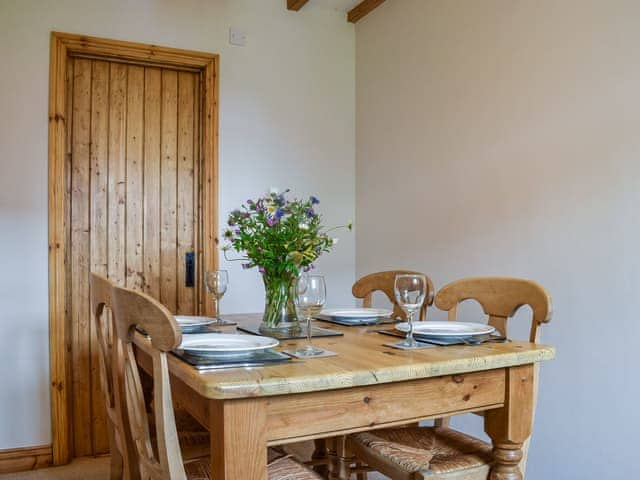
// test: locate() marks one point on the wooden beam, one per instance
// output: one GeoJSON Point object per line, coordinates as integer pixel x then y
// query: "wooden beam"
{"type": "Point", "coordinates": [296, 4]}
{"type": "Point", "coordinates": [363, 8]}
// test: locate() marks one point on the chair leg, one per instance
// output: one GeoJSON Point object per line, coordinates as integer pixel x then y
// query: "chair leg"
{"type": "Point", "coordinates": [442, 422]}
{"type": "Point", "coordinates": [320, 453]}
{"type": "Point", "coordinates": [116, 469]}
{"type": "Point", "coordinates": [362, 476]}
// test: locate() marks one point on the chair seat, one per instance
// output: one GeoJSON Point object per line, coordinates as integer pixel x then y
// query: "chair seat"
{"type": "Point", "coordinates": [192, 437]}
{"type": "Point", "coordinates": [283, 468]}
{"type": "Point", "coordinates": [434, 452]}
{"type": "Point", "coordinates": [195, 447]}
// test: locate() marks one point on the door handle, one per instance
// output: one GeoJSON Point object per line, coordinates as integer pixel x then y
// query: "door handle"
{"type": "Point", "coordinates": [190, 269]}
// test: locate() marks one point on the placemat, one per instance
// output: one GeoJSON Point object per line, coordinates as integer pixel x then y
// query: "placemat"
{"type": "Point", "coordinates": [325, 353]}
{"type": "Point", "coordinates": [446, 341]}
{"type": "Point", "coordinates": [377, 321]}
{"type": "Point", "coordinates": [420, 346]}
{"type": "Point", "coordinates": [285, 335]}
{"type": "Point", "coordinates": [257, 359]}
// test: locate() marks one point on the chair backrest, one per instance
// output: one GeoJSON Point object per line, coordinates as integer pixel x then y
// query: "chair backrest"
{"type": "Point", "coordinates": [383, 282]}
{"type": "Point", "coordinates": [500, 298]}
{"type": "Point", "coordinates": [111, 381]}
{"type": "Point", "coordinates": [133, 309]}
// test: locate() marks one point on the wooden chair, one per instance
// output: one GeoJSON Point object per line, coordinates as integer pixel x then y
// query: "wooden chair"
{"type": "Point", "coordinates": [193, 439]}
{"type": "Point", "coordinates": [439, 452]}
{"type": "Point", "coordinates": [109, 355]}
{"type": "Point", "coordinates": [163, 460]}
{"type": "Point", "coordinates": [384, 282]}
{"type": "Point", "coordinates": [325, 449]}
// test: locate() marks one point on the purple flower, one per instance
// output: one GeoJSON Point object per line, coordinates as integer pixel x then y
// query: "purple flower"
{"type": "Point", "coordinates": [271, 221]}
{"type": "Point", "coordinates": [237, 231]}
{"type": "Point", "coordinates": [261, 270]}
{"type": "Point", "coordinates": [246, 266]}
{"type": "Point", "coordinates": [314, 200]}
{"type": "Point", "coordinates": [279, 213]}
{"type": "Point", "coordinates": [232, 222]}
{"type": "Point", "coordinates": [311, 212]}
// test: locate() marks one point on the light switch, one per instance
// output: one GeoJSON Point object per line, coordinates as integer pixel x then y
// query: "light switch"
{"type": "Point", "coordinates": [237, 37]}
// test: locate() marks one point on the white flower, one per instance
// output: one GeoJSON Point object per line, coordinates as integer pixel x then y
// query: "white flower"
{"type": "Point", "coordinates": [303, 226]}
{"type": "Point", "coordinates": [334, 241]}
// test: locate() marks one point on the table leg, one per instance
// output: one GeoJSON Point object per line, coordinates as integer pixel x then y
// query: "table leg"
{"type": "Point", "coordinates": [341, 460]}
{"type": "Point", "coordinates": [238, 439]}
{"type": "Point", "coordinates": [510, 426]}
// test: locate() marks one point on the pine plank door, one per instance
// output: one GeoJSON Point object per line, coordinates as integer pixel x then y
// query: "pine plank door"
{"type": "Point", "coordinates": [134, 189]}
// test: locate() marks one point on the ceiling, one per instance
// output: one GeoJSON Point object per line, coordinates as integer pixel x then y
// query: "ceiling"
{"type": "Point", "coordinates": [344, 5]}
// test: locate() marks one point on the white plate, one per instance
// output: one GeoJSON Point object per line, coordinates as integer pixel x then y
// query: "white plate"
{"type": "Point", "coordinates": [225, 343]}
{"type": "Point", "coordinates": [191, 321]}
{"type": "Point", "coordinates": [447, 329]}
{"type": "Point", "coordinates": [357, 313]}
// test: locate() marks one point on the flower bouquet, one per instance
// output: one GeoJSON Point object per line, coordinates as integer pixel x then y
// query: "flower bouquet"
{"type": "Point", "coordinates": [282, 237]}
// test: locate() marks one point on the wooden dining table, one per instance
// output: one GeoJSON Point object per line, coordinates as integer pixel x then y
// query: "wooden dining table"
{"type": "Point", "coordinates": [366, 386]}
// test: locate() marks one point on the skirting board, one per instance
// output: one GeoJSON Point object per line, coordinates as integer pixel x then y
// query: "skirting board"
{"type": "Point", "coordinates": [25, 458]}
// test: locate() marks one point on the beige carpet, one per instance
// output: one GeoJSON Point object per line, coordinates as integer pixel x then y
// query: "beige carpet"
{"type": "Point", "coordinates": [86, 468]}
{"type": "Point", "coordinates": [80, 469]}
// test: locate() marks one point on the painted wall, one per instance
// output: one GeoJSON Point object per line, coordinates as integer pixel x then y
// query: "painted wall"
{"type": "Point", "coordinates": [502, 137]}
{"type": "Point", "coordinates": [286, 120]}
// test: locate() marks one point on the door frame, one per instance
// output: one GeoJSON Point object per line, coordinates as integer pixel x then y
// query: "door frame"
{"type": "Point", "coordinates": [62, 46]}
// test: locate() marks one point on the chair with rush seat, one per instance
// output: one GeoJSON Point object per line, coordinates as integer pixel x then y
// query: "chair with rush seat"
{"type": "Point", "coordinates": [164, 461]}
{"type": "Point", "coordinates": [439, 453]}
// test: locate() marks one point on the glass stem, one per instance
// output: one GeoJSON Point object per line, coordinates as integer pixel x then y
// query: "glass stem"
{"type": "Point", "coordinates": [216, 306]}
{"type": "Point", "coordinates": [309, 341]}
{"type": "Point", "coordinates": [410, 332]}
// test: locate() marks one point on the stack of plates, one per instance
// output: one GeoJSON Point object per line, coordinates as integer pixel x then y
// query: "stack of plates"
{"type": "Point", "coordinates": [448, 333]}
{"type": "Point", "coordinates": [356, 316]}
{"type": "Point", "coordinates": [192, 324]}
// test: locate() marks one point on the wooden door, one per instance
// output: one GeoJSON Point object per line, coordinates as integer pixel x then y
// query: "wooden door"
{"type": "Point", "coordinates": [133, 172]}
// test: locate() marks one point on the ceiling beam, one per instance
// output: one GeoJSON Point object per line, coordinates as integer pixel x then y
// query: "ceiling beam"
{"type": "Point", "coordinates": [363, 8]}
{"type": "Point", "coordinates": [296, 4]}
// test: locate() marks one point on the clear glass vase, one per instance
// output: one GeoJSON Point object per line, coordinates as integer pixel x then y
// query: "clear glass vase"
{"type": "Point", "coordinates": [279, 309]}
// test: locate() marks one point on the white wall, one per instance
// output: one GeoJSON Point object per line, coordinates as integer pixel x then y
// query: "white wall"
{"type": "Point", "coordinates": [286, 119]}
{"type": "Point", "coordinates": [502, 137]}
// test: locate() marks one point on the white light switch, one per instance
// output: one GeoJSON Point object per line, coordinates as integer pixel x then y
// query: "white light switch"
{"type": "Point", "coordinates": [237, 37]}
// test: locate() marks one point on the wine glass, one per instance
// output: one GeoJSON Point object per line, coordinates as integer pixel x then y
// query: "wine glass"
{"type": "Point", "coordinates": [217, 283]}
{"type": "Point", "coordinates": [311, 294]}
{"type": "Point", "coordinates": [410, 291]}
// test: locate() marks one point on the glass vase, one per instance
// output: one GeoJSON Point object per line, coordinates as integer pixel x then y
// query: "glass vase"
{"type": "Point", "coordinates": [279, 310]}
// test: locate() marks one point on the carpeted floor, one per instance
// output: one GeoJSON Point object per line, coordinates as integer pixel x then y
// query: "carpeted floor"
{"type": "Point", "coordinates": [86, 468]}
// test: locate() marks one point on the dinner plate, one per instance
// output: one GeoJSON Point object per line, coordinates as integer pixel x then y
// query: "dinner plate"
{"type": "Point", "coordinates": [225, 344]}
{"type": "Point", "coordinates": [446, 329]}
{"type": "Point", "coordinates": [356, 314]}
{"type": "Point", "coordinates": [189, 323]}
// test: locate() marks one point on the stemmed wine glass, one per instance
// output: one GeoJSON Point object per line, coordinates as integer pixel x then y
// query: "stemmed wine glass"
{"type": "Point", "coordinates": [410, 290]}
{"type": "Point", "coordinates": [311, 294]}
{"type": "Point", "coordinates": [217, 283]}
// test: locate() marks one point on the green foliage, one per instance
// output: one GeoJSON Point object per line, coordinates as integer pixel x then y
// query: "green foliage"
{"type": "Point", "coordinates": [278, 235]}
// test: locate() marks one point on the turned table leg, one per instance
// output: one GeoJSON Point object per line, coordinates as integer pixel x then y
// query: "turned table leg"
{"type": "Point", "coordinates": [340, 459]}
{"type": "Point", "coordinates": [510, 426]}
